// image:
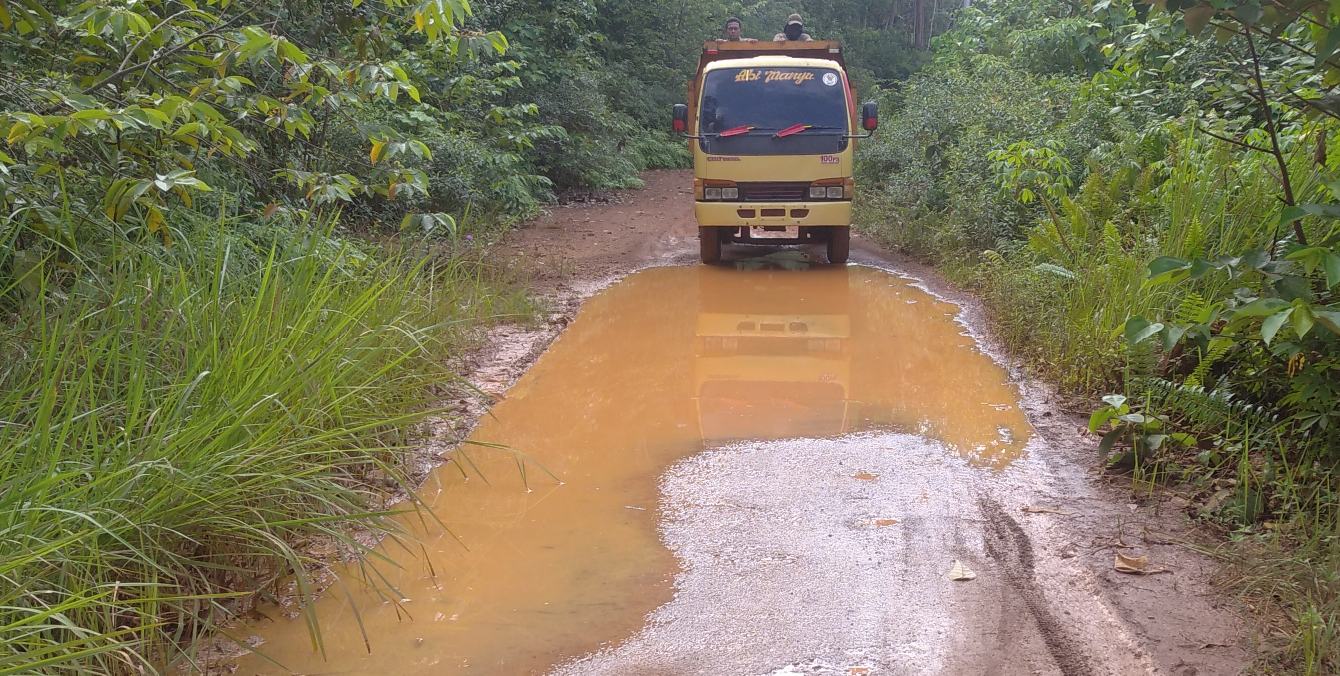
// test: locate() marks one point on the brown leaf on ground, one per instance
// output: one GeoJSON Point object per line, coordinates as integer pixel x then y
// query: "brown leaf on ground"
{"type": "Point", "coordinates": [1135, 565]}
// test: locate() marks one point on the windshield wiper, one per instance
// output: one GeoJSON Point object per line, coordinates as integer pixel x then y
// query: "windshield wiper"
{"type": "Point", "coordinates": [737, 131]}
{"type": "Point", "coordinates": [799, 128]}
{"type": "Point", "coordinates": [779, 132]}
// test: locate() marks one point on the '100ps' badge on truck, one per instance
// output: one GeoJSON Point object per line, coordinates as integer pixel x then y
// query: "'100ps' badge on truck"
{"type": "Point", "coordinates": [828, 159]}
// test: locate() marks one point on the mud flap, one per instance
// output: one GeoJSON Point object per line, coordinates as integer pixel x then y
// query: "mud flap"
{"type": "Point", "coordinates": [839, 244]}
{"type": "Point", "coordinates": [709, 244]}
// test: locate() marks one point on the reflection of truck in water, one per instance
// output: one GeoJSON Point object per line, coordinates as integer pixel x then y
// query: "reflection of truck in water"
{"type": "Point", "coordinates": [772, 128]}
{"type": "Point", "coordinates": [773, 360]}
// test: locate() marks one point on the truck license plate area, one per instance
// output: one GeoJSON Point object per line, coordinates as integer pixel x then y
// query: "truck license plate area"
{"type": "Point", "coordinates": [774, 232]}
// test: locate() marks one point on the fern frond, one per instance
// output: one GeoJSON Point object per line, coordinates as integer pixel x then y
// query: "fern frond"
{"type": "Point", "coordinates": [1217, 349]}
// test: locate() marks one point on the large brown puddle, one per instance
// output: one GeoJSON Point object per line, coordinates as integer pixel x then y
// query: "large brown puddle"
{"type": "Point", "coordinates": [658, 367]}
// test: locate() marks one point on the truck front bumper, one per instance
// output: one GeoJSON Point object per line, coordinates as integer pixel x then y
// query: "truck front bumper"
{"type": "Point", "coordinates": [749, 214]}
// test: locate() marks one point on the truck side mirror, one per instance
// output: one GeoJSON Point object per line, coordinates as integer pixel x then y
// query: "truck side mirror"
{"type": "Point", "coordinates": [869, 115]}
{"type": "Point", "coordinates": [680, 118]}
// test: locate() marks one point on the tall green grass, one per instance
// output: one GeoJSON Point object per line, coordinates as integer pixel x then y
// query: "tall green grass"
{"type": "Point", "coordinates": [171, 426]}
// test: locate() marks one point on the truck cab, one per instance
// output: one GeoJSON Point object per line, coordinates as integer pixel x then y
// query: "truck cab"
{"type": "Point", "coordinates": [773, 127]}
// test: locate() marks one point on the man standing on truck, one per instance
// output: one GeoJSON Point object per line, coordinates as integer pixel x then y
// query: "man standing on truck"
{"type": "Point", "coordinates": [733, 32]}
{"type": "Point", "coordinates": [794, 31]}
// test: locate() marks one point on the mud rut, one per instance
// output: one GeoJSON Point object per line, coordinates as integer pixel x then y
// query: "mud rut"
{"type": "Point", "coordinates": [1009, 546]}
{"type": "Point", "coordinates": [1046, 601]}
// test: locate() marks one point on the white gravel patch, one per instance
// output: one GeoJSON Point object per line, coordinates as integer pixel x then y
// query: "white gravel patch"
{"type": "Point", "coordinates": [787, 570]}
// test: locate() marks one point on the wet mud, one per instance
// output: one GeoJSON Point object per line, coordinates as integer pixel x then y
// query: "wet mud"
{"type": "Point", "coordinates": [668, 362]}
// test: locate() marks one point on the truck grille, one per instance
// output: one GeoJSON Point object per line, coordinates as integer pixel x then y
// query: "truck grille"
{"type": "Point", "coordinates": [773, 192]}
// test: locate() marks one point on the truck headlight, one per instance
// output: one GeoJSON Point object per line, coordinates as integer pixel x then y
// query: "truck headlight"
{"type": "Point", "coordinates": [817, 192]}
{"type": "Point", "coordinates": [835, 192]}
{"type": "Point", "coordinates": [730, 193]}
{"type": "Point", "coordinates": [711, 193]}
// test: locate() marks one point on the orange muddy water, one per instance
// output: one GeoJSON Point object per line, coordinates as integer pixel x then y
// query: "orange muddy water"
{"type": "Point", "coordinates": [658, 367]}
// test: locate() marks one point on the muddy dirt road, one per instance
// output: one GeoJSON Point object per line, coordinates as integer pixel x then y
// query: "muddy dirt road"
{"type": "Point", "coordinates": [770, 467]}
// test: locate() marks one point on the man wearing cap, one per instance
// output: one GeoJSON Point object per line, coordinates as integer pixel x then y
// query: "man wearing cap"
{"type": "Point", "coordinates": [794, 31]}
{"type": "Point", "coordinates": [733, 32]}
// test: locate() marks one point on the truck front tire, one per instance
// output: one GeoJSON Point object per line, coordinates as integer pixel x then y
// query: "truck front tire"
{"type": "Point", "coordinates": [839, 244]}
{"type": "Point", "coordinates": [709, 244]}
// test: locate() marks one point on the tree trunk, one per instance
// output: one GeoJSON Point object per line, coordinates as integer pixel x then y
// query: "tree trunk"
{"type": "Point", "coordinates": [921, 38]}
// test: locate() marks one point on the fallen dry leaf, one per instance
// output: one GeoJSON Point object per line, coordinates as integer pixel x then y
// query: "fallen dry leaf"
{"type": "Point", "coordinates": [881, 523]}
{"type": "Point", "coordinates": [961, 573]}
{"type": "Point", "coordinates": [1135, 565]}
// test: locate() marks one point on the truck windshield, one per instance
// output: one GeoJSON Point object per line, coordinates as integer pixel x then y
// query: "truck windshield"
{"type": "Point", "coordinates": [753, 104]}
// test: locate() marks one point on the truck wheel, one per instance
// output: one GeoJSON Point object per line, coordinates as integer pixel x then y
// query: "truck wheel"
{"type": "Point", "coordinates": [839, 244]}
{"type": "Point", "coordinates": [709, 243]}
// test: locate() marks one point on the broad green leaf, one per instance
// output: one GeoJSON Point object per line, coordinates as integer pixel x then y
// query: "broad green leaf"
{"type": "Point", "coordinates": [1255, 258]}
{"type": "Point", "coordinates": [1248, 13]}
{"type": "Point", "coordinates": [1310, 256]}
{"type": "Point", "coordinates": [1293, 287]}
{"type": "Point", "coordinates": [1196, 18]}
{"type": "Point", "coordinates": [1331, 263]}
{"type": "Point", "coordinates": [1290, 214]}
{"type": "Point", "coordinates": [1302, 320]}
{"type": "Point", "coordinates": [1139, 329]}
{"type": "Point", "coordinates": [1272, 324]}
{"type": "Point", "coordinates": [1100, 418]}
{"type": "Point", "coordinates": [1165, 264]}
{"type": "Point", "coordinates": [1329, 319]}
{"type": "Point", "coordinates": [1260, 308]}
{"type": "Point", "coordinates": [1183, 438]}
{"type": "Point", "coordinates": [1109, 440]}
{"type": "Point", "coordinates": [91, 114]}
{"type": "Point", "coordinates": [1293, 213]}
{"type": "Point", "coordinates": [1172, 335]}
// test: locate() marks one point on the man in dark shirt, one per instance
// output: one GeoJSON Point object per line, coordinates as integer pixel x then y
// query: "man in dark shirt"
{"type": "Point", "coordinates": [794, 30]}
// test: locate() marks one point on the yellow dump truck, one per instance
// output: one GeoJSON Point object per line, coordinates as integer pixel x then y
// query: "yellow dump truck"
{"type": "Point", "coordinates": [772, 127]}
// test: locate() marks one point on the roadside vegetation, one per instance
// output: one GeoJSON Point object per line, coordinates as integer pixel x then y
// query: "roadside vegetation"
{"type": "Point", "coordinates": [238, 244]}
{"type": "Point", "coordinates": [1146, 197]}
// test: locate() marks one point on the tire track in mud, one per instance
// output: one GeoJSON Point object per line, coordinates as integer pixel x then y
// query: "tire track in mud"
{"type": "Point", "coordinates": [1008, 545]}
